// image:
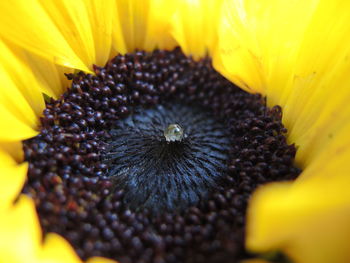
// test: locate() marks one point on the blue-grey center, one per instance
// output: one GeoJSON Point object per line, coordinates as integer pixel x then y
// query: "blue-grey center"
{"type": "Point", "coordinates": [168, 157]}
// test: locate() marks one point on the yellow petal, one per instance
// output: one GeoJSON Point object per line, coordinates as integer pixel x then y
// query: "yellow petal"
{"type": "Point", "coordinates": [308, 219]}
{"type": "Point", "coordinates": [27, 91]}
{"type": "Point", "coordinates": [300, 64]}
{"type": "Point", "coordinates": [12, 177]}
{"type": "Point", "coordinates": [86, 25]}
{"type": "Point", "coordinates": [195, 26]}
{"type": "Point", "coordinates": [27, 23]}
{"type": "Point", "coordinates": [50, 76]}
{"type": "Point", "coordinates": [259, 41]}
{"type": "Point", "coordinates": [101, 14]}
{"type": "Point", "coordinates": [14, 149]}
{"type": "Point", "coordinates": [12, 127]}
{"type": "Point", "coordinates": [317, 108]}
{"type": "Point", "coordinates": [57, 250]}
{"type": "Point", "coordinates": [21, 100]}
{"type": "Point", "coordinates": [118, 41]}
{"type": "Point", "coordinates": [143, 25]}
{"type": "Point", "coordinates": [20, 233]}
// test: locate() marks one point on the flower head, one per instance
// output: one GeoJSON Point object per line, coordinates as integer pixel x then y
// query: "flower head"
{"type": "Point", "coordinates": [96, 162]}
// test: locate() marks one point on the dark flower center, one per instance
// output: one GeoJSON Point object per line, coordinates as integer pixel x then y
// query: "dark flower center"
{"type": "Point", "coordinates": [160, 168]}
{"type": "Point", "coordinates": [153, 159]}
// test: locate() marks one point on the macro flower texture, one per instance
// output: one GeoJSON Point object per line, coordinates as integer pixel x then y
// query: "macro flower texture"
{"type": "Point", "coordinates": [175, 131]}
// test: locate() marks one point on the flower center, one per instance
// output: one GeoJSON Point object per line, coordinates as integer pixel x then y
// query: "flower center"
{"type": "Point", "coordinates": [161, 169]}
{"type": "Point", "coordinates": [153, 159]}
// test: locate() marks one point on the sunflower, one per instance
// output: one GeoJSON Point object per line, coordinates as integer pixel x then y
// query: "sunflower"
{"type": "Point", "coordinates": [125, 136]}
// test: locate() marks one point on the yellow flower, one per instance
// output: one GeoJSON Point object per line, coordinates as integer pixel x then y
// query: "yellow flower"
{"type": "Point", "coordinates": [297, 53]}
